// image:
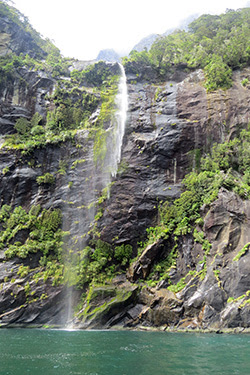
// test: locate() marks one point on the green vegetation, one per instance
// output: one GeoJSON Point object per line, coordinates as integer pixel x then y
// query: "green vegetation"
{"type": "Point", "coordinates": [218, 74]}
{"type": "Point", "coordinates": [179, 286]}
{"type": "Point", "coordinates": [242, 252]}
{"type": "Point", "coordinates": [47, 178]}
{"type": "Point", "coordinates": [101, 262]}
{"type": "Point", "coordinates": [245, 82]}
{"type": "Point", "coordinates": [73, 104]}
{"type": "Point", "coordinates": [107, 112]}
{"type": "Point", "coordinates": [217, 44]}
{"type": "Point", "coordinates": [95, 307]}
{"type": "Point", "coordinates": [77, 162]}
{"type": "Point", "coordinates": [77, 94]}
{"type": "Point", "coordinates": [242, 298]}
{"type": "Point", "coordinates": [15, 16]}
{"type": "Point", "coordinates": [36, 231]}
{"type": "Point", "coordinates": [53, 270]}
{"type": "Point", "coordinates": [5, 170]}
{"type": "Point", "coordinates": [123, 253]}
{"type": "Point", "coordinates": [23, 271]}
{"type": "Point", "coordinates": [29, 137]}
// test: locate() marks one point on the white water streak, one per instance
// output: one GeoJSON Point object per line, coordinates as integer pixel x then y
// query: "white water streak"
{"type": "Point", "coordinates": [121, 116]}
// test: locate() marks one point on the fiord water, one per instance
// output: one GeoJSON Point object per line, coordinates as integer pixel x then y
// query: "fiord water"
{"type": "Point", "coordinates": [52, 352]}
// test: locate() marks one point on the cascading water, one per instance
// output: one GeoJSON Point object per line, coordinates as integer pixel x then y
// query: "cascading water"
{"type": "Point", "coordinates": [115, 133]}
{"type": "Point", "coordinates": [121, 115]}
{"type": "Point", "coordinates": [100, 177]}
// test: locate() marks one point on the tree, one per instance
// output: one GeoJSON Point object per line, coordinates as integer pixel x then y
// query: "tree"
{"type": "Point", "coordinates": [218, 74]}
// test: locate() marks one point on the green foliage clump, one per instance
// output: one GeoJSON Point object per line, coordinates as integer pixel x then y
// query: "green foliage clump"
{"type": "Point", "coordinates": [179, 286]}
{"type": "Point", "coordinates": [137, 61]}
{"type": "Point", "coordinates": [218, 74]}
{"type": "Point", "coordinates": [51, 269]}
{"type": "Point", "coordinates": [22, 126]}
{"type": "Point", "coordinates": [103, 252]}
{"type": "Point", "coordinates": [97, 74]}
{"type": "Point", "coordinates": [5, 170]}
{"type": "Point", "coordinates": [29, 137]}
{"type": "Point", "coordinates": [245, 82]}
{"type": "Point", "coordinates": [72, 108]}
{"type": "Point", "coordinates": [123, 253]}
{"type": "Point", "coordinates": [47, 178]}
{"type": "Point", "coordinates": [244, 298]}
{"type": "Point", "coordinates": [37, 231]}
{"type": "Point", "coordinates": [77, 162]}
{"type": "Point", "coordinates": [101, 262]}
{"type": "Point", "coordinates": [8, 67]}
{"type": "Point", "coordinates": [23, 271]}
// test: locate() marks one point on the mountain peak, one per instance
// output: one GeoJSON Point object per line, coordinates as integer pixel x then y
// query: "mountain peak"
{"type": "Point", "coordinates": [109, 55]}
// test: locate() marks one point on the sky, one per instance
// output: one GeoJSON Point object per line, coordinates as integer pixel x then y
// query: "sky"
{"type": "Point", "coordinates": [81, 28]}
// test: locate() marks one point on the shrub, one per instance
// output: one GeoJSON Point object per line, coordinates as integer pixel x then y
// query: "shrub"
{"type": "Point", "coordinates": [47, 178]}
{"type": "Point", "coordinates": [245, 82]}
{"type": "Point", "coordinates": [22, 126]}
{"type": "Point", "coordinates": [218, 74]}
{"type": "Point", "coordinates": [37, 130]}
{"type": "Point", "coordinates": [123, 253]}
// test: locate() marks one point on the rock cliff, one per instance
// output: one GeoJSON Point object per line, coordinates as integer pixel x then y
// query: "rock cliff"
{"type": "Point", "coordinates": [165, 124]}
{"type": "Point", "coordinates": [96, 255]}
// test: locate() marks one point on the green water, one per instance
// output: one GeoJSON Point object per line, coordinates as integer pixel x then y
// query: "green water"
{"type": "Point", "coordinates": [47, 352]}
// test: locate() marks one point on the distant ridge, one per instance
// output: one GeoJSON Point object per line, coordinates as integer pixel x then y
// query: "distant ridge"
{"type": "Point", "coordinates": [108, 55]}
{"type": "Point", "coordinates": [149, 40]}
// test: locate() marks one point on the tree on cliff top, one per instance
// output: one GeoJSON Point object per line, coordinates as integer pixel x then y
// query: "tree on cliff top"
{"type": "Point", "coordinates": [217, 44]}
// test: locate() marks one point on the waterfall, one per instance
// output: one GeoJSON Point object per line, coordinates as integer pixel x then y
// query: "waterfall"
{"type": "Point", "coordinates": [109, 166]}
{"type": "Point", "coordinates": [100, 176]}
{"type": "Point", "coordinates": [175, 170]}
{"type": "Point", "coordinates": [121, 115]}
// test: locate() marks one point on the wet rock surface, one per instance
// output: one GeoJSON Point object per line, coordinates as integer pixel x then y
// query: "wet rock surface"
{"type": "Point", "coordinates": [17, 306]}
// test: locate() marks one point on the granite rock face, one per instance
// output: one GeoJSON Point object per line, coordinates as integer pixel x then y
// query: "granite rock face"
{"type": "Point", "coordinates": [23, 98]}
{"type": "Point", "coordinates": [165, 123]}
{"type": "Point", "coordinates": [14, 38]}
{"type": "Point", "coordinates": [220, 299]}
